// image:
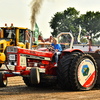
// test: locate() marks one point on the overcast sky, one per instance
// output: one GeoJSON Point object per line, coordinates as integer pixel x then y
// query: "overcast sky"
{"type": "Point", "coordinates": [18, 12]}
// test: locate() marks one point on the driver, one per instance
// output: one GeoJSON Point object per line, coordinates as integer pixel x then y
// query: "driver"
{"type": "Point", "coordinates": [57, 48]}
{"type": "Point", "coordinates": [10, 34]}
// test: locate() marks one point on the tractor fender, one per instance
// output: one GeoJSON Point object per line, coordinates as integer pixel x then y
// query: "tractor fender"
{"type": "Point", "coordinates": [70, 51]}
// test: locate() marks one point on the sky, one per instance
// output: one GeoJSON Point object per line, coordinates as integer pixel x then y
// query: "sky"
{"type": "Point", "coordinates": [18, 12]}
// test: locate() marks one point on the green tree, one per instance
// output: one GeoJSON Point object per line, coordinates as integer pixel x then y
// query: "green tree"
{"type": "Point", "coordinates": [65, 21]}
{"type": "Point", "coordinates": [70, 20]}
{"type": "Point", "coordinates": [90, 22]}
{"type": "Point", "coordinates": [84, 40]}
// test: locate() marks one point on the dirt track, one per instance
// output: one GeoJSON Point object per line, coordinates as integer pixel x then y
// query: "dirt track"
{"type": "Point", "coordinates": [17, 90]}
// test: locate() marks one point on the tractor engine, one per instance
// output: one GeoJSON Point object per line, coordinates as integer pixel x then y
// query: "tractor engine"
{"type": "Point", "coordinates": [20, 60]}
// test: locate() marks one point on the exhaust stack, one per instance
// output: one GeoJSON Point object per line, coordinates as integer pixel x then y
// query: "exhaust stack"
{"type": "Point", "coordinates": [31, 39]}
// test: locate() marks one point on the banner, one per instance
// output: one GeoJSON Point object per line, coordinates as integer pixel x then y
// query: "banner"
{"type": "Point", "coordinates": [36, 33]}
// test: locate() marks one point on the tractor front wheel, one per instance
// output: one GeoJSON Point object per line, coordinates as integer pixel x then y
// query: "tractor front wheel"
{"type": "Point", "coordinates": [35, 75]}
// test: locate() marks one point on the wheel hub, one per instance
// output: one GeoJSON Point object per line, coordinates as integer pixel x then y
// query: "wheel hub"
{"type": "Point", "coordinates": [86, 73]}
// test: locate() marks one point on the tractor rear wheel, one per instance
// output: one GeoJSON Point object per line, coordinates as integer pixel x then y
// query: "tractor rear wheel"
{"type": "Point", "coordinates": [77, 71]}
{"type": "Point", "coordinates": [3, 80]}
{"type": "Point", "coordinates": [63, 70]}
{"type": "Point", "coordinates": [83, 72]}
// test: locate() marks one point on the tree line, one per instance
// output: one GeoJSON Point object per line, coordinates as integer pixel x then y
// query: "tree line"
{"type": "Point", "coordinates": [70, 19]}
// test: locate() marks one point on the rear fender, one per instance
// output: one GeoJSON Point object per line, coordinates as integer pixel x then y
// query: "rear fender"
{"type": "Point", "coordinates": [67, 51]}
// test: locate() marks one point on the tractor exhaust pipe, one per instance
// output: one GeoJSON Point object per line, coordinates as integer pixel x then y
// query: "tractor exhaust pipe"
{"type": "Point", "coordinates": [31, 39]}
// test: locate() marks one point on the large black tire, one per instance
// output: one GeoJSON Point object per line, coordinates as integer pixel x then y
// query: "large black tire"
{"type": "Point", "coordinates": [35, 75]}
{"type": "Point", "coordinates": [69, 73]}
{"type": "Point", "coordinates": [63, 70]}
{"type": "Point", "coordinates": [83, 72]}
{"type": "Point", "coordinates": [3, 83]}
{"type": "Point", "coordinates": [32, 80]}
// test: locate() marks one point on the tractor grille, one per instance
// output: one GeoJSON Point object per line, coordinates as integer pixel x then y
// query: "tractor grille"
{"type": "Point", "coordinates": [1, 48]}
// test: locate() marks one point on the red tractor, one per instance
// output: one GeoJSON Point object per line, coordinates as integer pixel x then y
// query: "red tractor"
{"type": "Point", "coordinates": [76, 70]}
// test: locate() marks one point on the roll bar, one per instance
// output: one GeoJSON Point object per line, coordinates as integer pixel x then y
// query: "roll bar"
{"type": "Point", "coordinates": [68, 33]}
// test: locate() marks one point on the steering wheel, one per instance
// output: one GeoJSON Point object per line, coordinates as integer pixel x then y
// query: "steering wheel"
{"type": "Point", "coordinates": [51, 49]}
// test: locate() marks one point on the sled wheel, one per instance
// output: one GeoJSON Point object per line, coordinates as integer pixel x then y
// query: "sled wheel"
{"type": "Point", "coordinates": [27, 81]}
{"type": "Point", "coordinates": [83, 72]}
{"type": "Point", "coordinates": [63, 70]}
{"type": "Point", "coordinates": [35, 75]}
{"type": "Point", "coordinates": [3, 80]}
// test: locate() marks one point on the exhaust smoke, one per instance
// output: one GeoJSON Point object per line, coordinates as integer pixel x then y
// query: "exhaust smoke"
{"type": "Point", "coordinates": [35, 8]}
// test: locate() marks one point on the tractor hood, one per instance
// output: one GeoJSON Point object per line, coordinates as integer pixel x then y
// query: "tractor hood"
{"type": "Point", "coordinates": [28, 53]}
